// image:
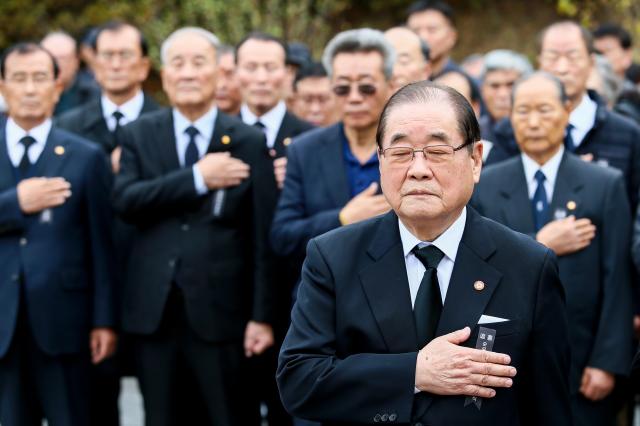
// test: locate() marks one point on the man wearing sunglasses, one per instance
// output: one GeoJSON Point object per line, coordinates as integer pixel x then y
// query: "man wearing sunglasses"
{"type": "Point", "coordinates": [393, 313]}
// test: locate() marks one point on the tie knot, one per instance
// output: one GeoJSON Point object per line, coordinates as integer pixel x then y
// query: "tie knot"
{"type": "Point", "coordinates": [540, 177]}
{"type": "Point", "coordinates": [430, 256]}
{"type": "Point", "coordinates": [27, 141]}
{"type": "Point", "coordinates": [117, 115]}
{"type": "Point", "coordinates": [191, 131]}
{"type": "Point", "coordinates": [259, 124]}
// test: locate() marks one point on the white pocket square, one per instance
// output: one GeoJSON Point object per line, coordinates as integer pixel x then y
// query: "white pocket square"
{"type": "Point", "coordinates": [488, 319]}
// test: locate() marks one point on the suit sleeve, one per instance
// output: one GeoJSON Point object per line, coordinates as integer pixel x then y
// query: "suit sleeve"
{"type": "Point", "coordinates": [548, 393]}
{"type": "Point", "coordinates": [293, 227]}
{"type": "Point", "coordinates": [11, 216]}
{"type": "Point", "coordinates": [612, 349]}
{"type": "Point", "coordinates": [315, 383]}
{"type": "Point", "coordinates": [137, 198]}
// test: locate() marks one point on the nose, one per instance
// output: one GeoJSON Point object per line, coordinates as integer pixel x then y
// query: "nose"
{"type": "Point", "coordinates": [420, 167]}
{"type": "Point", "coordinates": [354, 95]}
{"type": "Point", "coordinates": [533, 119]}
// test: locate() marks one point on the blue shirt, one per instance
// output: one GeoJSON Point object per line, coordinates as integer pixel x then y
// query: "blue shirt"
{"type": "Point", "coordinates": [359, 176]}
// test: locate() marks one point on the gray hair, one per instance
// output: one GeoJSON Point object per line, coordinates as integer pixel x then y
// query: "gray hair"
{"type": "Point", "coordinates": [562, 94]}
{"type": "Point", "coordinates": [503, 60]}
{"type": "Point", "coordinates": [611, 83]}
{"type": "Point", "coordinates": [207, 35]}
{"type": "Point", "coordinates": [360, 40]}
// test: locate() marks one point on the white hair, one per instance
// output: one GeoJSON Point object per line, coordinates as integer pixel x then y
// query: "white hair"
{"type": "Point", "coordinates": [207, 35]}
{"type": "Point", "coordinates": [505, 60]}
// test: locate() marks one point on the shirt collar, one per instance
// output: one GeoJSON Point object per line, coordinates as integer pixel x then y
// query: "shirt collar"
{"type": "Point", "coordinates": [40, 133]}
{"type": "Point", "coordinates": [583, 117]}
{"type": "Point", "coordinates": [550, 168]}
{"type": "Point", "coordinates": [448, 242]}
{"type": "Point", "coordinates": [204, 124]}
{"type": "Point", "coordinates": [130, 109]}
{"type": "Point", "coordinates": [272, 119]}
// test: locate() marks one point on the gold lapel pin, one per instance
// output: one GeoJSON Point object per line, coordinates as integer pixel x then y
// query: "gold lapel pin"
{"type": "Point", "coordinates": [59, 150]}
{"type": "Point", "coordinates": [571, 205]}
{"type": "Point", "coordinates": [478, 285]}
{"type": "Point", "coordinates": [286, 141]}
{"type": "Point", "coordinates": [226, 140]}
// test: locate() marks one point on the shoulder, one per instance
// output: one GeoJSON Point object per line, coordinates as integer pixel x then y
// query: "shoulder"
{"type": "Point", "coordinates": [350, 238]}
{"type": "Point", "coordinates": [237, 126]}
{"type": "Point", "coordinates": [591, 172]}
{"type": "Point", "coordinates": [149, 119]}
{"type": "Point", "coordinates": [297, 124]}
{"type": "Point", "coordinates": [497, 171]}
{"type": "Point", "coordinates": [310, 141]}
{"type": "Point", "coordinates": [75, 142]}
{"type": "Point", "coordinates": [76, 117]}
{"type": "Point", "coordinates": [619, 125]}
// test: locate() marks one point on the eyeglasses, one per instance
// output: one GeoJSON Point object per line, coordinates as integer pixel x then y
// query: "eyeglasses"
{"type": "Point", "coordinates": [345, 89]}
{"type": "Point", "coordinates": [123, 55]}
{"type": "Point", "coordinates": [436, 154]}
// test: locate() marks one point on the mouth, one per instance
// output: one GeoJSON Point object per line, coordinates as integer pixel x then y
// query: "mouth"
{"type": "Point", "coordinates": [419, 193]}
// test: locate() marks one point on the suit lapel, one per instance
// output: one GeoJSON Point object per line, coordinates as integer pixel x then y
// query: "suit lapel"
{"type": "Point", "coordinates": [222, 133]}
{"type": "Point", "coordinates": [6, 175]}
{"type": "Point", "coordinates": [55, 153]}
{"type": "Point", "coordinates": [566, 192]}
{"type": "Point", "coordinates": [516, 206]}
{"type": "Point", "coordinates": [386, 287]}
{"type": "Point", "coordinates": [166, 140]}
{"type": "Point", "coordinates": [148, 105]}
{"type": "Point", "coordinates": [334, 174]}
{"type": "Point", "coordinates": [96, 125]}
{"type": "Point", "coordinates": [283, 132]}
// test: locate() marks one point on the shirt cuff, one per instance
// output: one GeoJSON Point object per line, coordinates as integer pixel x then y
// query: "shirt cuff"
{"type": "Point", "coordinates": [416, 390]}
{"type": "Point", "coordinates": [198, 181]}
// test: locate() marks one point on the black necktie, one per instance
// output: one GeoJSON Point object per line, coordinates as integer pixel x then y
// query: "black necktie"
{"type": "Point", "coordinates": [25, 163]}
{"type": "Point", "coordinates": [260, 126]}
{"type": "Point", "coordinates": [539, 203]}
{"type": "Point", "coordinates": [191, 155]}
{"type": "Point", "coordinates": [568, 139]}
{"type": "Point", "coordinates": [118, 116]}
{"type": "Point", "coordinates": [428, 306]}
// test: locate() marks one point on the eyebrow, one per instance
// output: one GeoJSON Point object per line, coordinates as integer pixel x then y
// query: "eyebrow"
{"type": "Point", "coordinates": [436, 135]}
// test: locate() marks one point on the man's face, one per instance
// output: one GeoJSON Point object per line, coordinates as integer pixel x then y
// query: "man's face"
{"type": "Point", "coordinates": [619, 58]}
{"type": "Point", "coordinates": [433, 27]}
{"type": "Point", "coordinates": [315, 101]}
{"type": "Point", "coordinates": [424, 189]}
{"type": "Point", "coordinates": [189, 74]}
{"type": "Point", "coordinates": [410, 65]}
{"type": "Point", "coordinates": [228, 95]}
{"type": "Point", "coordinates": [262, 74]}
{"type": "Point", "coordinates": [496, 92]}
{"type": "Point", "coordinates": [29, 88]}
{"type": "Point", "coordinates": [64, 50]}
{"type": "Point", "coordinates": [360, 88]}
{"type": "Point", "coordinates": [565, 55]}
{"type": "Point", "coordinates": [120, 67]}
{"type": "Point", "coordinates": [539, 118]}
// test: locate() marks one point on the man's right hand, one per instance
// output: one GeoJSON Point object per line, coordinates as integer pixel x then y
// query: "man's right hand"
{"type": "Point", "coordinates": [37, 194]}
{"type": "Point", "coordinates": [445, 368]}
{"type": "Point", "coordinates": [568, 235]}
{"type": "Point", "coordinates": [220, 170]}
{"type": "Point", "coordinates": [364, 206]}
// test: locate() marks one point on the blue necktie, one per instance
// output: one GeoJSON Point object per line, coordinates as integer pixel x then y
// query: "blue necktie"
{"type": "Point", "coordinates": [191, 155]}
{"type": "Point", "coordinates": [568, 139]}
{"type": "Point", "coordinates": [539, 203]}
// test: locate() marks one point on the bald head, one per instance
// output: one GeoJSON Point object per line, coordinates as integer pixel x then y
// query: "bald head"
{"type": "Point", "coordinates": [63, 47]}
{"type": "Point", "coordinates": [412, 57]}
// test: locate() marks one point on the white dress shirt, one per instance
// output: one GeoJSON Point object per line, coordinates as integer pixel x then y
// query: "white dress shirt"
{"type": "Point", "coordinates": [448, 243]}
{"type": "Point", "coordinates": [130, 110]}
{"type": "Point", "coordinates": [205, 126]}
{"type": "Point", "coordinates": [583, 117]}
{"type": "Point", "coordinates": [272, 120]}
{"type": "Point", "coordinates": [16, 150]}
{"type": "Point", "coordinates": [550, 170]}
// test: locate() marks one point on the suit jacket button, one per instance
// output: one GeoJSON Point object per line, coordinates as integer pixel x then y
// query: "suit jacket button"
{"type": "Point", "coordinates": [384, 417]}
{"type": "Point", "coordinates": [185, 226]}
{"type": "Point", "coordinates": [376, 418]}
{"type": "Point", "coordinates": [23, 241]}
{"type": "Point", "coordinates": [393, 417]}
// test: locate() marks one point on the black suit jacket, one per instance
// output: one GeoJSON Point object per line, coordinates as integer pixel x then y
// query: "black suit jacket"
{"type": "Point", "coordinates": [64, 261]}
{"type": "Point", "coordinates": [220, 259]}
{"type": "Point", "coordinates": [88, 121]}
{"type": "Point", "coordinates": [350, 354]}
{"type": "Point", "coordinates": [596, 279]}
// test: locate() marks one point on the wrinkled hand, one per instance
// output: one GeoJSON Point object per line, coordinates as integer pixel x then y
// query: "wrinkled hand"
{"type": "Point", "coordinates": [258, 337]}
{"type": "Point", "coordinates": [220, 170]}
{"type": "Point", "coordinates": [363, 206]}
{"type": "Point", "coordinates": [445, 368]}
{"type": "Point", "coordinates": [37, 194]}
{"type": "Point", "coordinates": [568, 235]}
{"type": "Point", "coordinates": [103, 344]}
{"type": "Point", "coordinates": [280, 170]}
{"type": "Point", "coordinates": [115, 159]}
{"type": "Point", "coordinates": [596, 384]}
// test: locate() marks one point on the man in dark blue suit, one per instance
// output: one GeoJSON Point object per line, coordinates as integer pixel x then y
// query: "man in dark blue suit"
{"type": "Point", "coordinates": [580, 211]}
{"type": "Point", "coordinates": [388, 307]}
{"type": "Point", "coordinates": [56, 309]}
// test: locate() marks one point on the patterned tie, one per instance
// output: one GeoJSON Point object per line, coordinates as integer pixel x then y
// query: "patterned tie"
{"type": "Point", "coordinates": [539, 203]}
{"type": "Point", "coordinates": [191, 155]}
{"type": "Point", "coordinates": [428, 306]}
{"type": "Point", "coordinates": [568, 139]}
{"type": "Point", "coordinates": [25, 163]}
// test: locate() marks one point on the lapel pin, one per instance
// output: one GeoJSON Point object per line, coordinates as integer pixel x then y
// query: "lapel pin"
{"type": "Point", "coordinates": [571, 205]}
{"type": "Point", "coordinates": [59, 150]}
{"type": "Point", "coordinates": [286, 141]}
{"type": "Point", "coordinates": [226, 140]}
{"type": "Point", "coordinates": [478, 285]}
{"type": "Point", "coordinates": [272, 153]}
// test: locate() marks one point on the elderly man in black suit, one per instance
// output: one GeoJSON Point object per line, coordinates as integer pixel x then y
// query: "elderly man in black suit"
{"type": "Point", "coordinates": [388, 307]}
{"type": "Point", "coordinates": [196, 185]}
{"type": "Point", "coordinates": [580, 211]}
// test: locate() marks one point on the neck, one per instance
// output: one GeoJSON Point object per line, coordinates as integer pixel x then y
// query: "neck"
{"type": "Point", "coordinates": [437, 65]}
{"type": "Point", "coordinates": [27, 123]}
{"type": "Point", "coordinates": [194, 112]}
{"type": "Point", "coordinates": [575, 101]}
{"type": "Point", "coordinates": [430, 230]}
{"type": "Point", "coordinates": [362, 142]}
{"type": "Point", "coordinates": [260, 110]}
{"type": "Point", "coordinates": [542, 158]}
{"type": "Point", "coordinates": [120, 98]}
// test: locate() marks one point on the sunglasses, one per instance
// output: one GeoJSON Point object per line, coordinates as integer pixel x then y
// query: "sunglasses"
{"type": "Point", "coordinates": [363, 89]}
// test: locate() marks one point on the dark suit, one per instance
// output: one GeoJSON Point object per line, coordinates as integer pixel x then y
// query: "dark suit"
{"type": "Point", "coordinates": [350, 354]}
{"type": "Point", "coordinates": [56, 283]}
{"type": "Point", "coordinates": [193, 274]}
{"type": "Point", "coordinates": [596, 279]}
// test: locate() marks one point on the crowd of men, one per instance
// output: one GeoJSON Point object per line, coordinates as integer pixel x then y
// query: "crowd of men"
{"type": "Point", "coordinates": [167, 243]}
